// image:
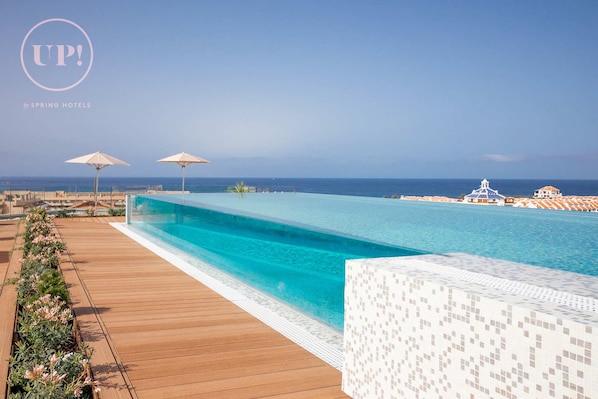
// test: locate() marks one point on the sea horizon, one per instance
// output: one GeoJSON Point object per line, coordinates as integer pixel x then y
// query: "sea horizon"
{"type": "Point", "coordinates": [359, 186]}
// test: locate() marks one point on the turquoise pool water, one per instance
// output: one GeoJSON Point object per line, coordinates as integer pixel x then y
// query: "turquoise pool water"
{"type": "Point", "coordinates": [293, 245]}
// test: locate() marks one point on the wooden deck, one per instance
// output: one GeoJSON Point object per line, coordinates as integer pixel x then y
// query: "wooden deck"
{"type": "Point", "coordinates": [159, 333]}
{"type": "Point", "coordinates": [9, 266]}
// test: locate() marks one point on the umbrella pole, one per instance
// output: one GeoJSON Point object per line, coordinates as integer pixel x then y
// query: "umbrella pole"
{"type": "Point", "coordinates": [95, 190]}
{"type": "Point", "coordinates": [183, 187]}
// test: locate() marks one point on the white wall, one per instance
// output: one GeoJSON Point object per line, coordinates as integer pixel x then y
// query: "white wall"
{"type": "Point", "coordinates": [462, 326]}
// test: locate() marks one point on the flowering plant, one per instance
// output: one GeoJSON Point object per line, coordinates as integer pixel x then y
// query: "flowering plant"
{"type": "Point", "coordinates": [46, 321]}
{"type": "Point", "coordinates": [41, 245]}
{"type": "Point", "coordinates": [59, 375]}
{"type": "Point", "coordinates": [47, 361]}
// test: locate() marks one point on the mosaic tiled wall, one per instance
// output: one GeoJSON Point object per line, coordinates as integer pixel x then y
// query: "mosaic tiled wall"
{"type": "Point", "coordinates": [459, 326]}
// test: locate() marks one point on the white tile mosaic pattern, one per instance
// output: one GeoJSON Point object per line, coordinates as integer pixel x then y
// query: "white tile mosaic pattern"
{"type": "Point", "coordinates": [462, 326]}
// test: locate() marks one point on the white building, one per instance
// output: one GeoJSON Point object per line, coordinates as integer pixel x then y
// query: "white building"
{"type": "Point", "coordinates": [485, 195]}
{"type": "Point", "coordinates": [548, 192]}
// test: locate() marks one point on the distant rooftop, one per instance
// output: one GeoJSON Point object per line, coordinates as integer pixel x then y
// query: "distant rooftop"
{"type": "Point", "coordinates": [548, 188]}
{"type": "Point", "coordinates": [547, 192]}
{"type": "Point", "coordinates": [484, 194]}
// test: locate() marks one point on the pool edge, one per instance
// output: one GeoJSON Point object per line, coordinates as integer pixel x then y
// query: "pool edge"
{"type": "Point", "coordinates": [330, 352]}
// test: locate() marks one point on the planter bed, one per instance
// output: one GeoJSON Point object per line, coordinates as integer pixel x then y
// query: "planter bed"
{"type": "Point", "coordinates": [47, 357]}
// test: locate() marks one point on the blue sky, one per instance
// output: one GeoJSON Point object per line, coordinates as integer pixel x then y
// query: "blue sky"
{"type": "Point", "coordinates": [282, 88]}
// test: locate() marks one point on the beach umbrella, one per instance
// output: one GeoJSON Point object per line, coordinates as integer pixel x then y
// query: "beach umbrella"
{"type": "Point", "coordinates": [183, 160]}
{"type": "Point", "coordinates": [97, 160]}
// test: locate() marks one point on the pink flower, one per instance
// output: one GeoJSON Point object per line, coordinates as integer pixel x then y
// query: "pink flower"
{"type": "Point", "coordinates": [57, 378]}
{"type": "Point", "coordinates": [53, 360]}
{"type": "Point", "coordinates": [36, 373]}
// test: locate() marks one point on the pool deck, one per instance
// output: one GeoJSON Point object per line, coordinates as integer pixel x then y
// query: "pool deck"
{"type": "Point", "coordinates": [9, 265]}
{"type": "Point", "coordinates": [159, 333]}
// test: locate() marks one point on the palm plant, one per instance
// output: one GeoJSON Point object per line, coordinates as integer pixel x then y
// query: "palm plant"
{"type": "Point", "coordinates": [240, 188]}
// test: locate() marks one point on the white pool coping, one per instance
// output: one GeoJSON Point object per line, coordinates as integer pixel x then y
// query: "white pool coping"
{"type": "Point", "coordinates": [527, 288]}
{"type": "Point", "coordinates": [315, 337]}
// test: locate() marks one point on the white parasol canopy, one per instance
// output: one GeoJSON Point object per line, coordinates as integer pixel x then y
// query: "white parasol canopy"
{"type": "Point", "coordinates": [183, 160]}
{"type": "Point", "coordinates": [97, 160]}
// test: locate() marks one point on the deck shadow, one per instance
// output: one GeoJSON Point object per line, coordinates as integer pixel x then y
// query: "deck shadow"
{"type": "Point", "coordinates": [89, 310]}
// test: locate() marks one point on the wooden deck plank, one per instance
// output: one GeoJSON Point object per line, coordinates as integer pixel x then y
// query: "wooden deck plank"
{"type": "Point", "coordinates": [250, 385]}
{"type": "Point", "coordinates": [107, 367]}
{"type": "Point", "coordinates": [173, 336]}
{"type": "Point", "coordinates": [9, 266]}
{"type": "Point", "coordinates": [205, 372]}
{"type": "Point", "coordinates": [219, 359]}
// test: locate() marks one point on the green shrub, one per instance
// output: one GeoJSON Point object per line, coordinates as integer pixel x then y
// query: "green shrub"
{"type": "Point", "coordinates": [62, 213]}
{"type": "Point", "coordinates": [55, 376]}
{"type": "Point", "coordinates": [120, 211]}
{"type": "Point", "coordinates": [51, 283]}
{"type": "Point", "coordinates": [47, 362]}
{"type": "Point", "coordinates": [46, 321]}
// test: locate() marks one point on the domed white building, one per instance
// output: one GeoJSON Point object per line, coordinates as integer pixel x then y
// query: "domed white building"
{"type": "Point", "coordinates": [485, 195]}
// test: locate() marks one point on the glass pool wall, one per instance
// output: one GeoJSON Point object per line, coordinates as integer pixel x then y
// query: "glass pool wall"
{"type": "Point", "coordinates": [301, 267]}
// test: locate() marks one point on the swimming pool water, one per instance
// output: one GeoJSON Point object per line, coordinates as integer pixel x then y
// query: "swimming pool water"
{"type": "Point", "coordinates": [293, 245]}
{"type": "Point", "coordinates": [302, 267]}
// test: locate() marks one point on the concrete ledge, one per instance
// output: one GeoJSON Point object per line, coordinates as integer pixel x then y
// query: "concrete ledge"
{"type": "Point", "coordinates": [466, 326]}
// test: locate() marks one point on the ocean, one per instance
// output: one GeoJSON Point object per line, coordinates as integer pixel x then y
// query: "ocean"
{"type": "Point", "coordinates": [358, 187]}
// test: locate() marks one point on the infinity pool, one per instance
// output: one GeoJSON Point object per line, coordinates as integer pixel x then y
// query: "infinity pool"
{"type": "Point", "coordinates": [293, 246]}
